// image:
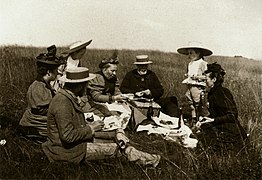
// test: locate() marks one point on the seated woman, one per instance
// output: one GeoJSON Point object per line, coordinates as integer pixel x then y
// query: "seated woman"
{"type": "Point", "coordinates": [105, 87]}
{"type": "Point", "coordinates": [39, 95]}
{"type": "Point", "coordinates": [221, 129]}
{"type": "Point", "coordinates": [71, 138]}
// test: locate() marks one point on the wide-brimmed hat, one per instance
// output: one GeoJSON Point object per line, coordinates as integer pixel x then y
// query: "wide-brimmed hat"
{"type": "Point", "coordinates": [77, 75]}
{"type": "Point", "coordinates": [194, 45]}
{"type": "Point", "coordinates": [77, 46]}
{"type": "Point", "coordinates": [142, 59]}
{"type": "Point", "coordinates": [50, 58]}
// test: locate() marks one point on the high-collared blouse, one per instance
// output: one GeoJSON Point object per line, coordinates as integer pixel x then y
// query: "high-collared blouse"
{"type": "Point", "coordinates": [101, 88]}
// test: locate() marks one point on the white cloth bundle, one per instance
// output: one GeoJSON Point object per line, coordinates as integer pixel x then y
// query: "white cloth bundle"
{"type": "Point", "coordinates": [114, 122]}
{"type": "Point", "coordinates": [181, 135]}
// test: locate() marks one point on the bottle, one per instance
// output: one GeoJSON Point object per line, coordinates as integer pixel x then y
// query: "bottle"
{"type": "Point", "coordinates": [131, 123]}
{"type": "Point", "coordinates": [181, 119]}
{"type": "Point", "coordinates": [150, 110]}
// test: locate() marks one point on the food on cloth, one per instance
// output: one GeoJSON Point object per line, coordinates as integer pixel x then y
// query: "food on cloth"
{"type": "Point", "coordinates": [166, 122]}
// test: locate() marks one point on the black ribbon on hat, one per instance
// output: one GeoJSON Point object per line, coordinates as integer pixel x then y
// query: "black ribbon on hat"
{"type": "Point", "coordinates": [77, 75]}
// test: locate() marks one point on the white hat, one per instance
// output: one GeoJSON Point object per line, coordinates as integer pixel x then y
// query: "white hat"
{"type": "Point", "coordinates": [77, 75]}
{"type": "Point", "coordinates": [77, 46]}
{"type": "Point", "coordinates": [142, 59]}
{"type": "Point", "coordinates": [195, 45]}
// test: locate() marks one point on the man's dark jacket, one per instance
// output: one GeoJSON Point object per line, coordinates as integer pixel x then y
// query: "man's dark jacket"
{"type": "Point", "coordinates": [134, 82]}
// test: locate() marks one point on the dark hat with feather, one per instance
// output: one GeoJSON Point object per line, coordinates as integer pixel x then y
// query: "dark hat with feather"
{"type": "Point", "coordinates": [111, 60]}
{"type": "Point", "coordinates": [215, 68]}
{"type": "Point", "coordinates": [50, 58]}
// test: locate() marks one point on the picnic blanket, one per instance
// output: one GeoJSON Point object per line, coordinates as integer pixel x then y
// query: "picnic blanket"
{"type": "Point", "coordinates": [113, 122]}
{"type": "Point", "coordinates": [171, 130]}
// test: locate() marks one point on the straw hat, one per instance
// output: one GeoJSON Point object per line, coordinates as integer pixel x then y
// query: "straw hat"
{"type": "Point", "coordinates": [197, 46]}
{"type": "Point", "coordinates": [77, 75]}
{"type": "Point", "coordinates": [77, 46]}
{"type": "Point", "coordinates": [142, 59]}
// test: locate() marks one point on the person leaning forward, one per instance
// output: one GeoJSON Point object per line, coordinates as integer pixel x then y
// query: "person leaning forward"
{"type": "Point", "coordinates": [70, 137]}
{"type": "Point", "coordinates": [144, 83]}
{"type": "Point", "coordinates": [221, 130]}
{"type": "Point", "coordinates": [105, 87]}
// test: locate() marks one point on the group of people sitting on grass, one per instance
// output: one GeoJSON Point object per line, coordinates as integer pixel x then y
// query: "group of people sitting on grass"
{"type": "Point", "coordinates": [63, 91]}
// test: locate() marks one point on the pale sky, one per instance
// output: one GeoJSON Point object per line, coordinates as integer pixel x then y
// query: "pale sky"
{"type": "Point", "coordinates": [227, 27]}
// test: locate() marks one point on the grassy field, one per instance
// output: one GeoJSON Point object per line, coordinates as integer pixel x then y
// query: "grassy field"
{"type": "Point", "coordinates": [21, 158]}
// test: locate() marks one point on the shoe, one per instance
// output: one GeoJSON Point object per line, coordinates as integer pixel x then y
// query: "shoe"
{"type": "Point", "coordinates": [141, 157]}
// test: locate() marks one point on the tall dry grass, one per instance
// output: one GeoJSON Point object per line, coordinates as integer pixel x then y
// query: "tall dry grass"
{"type": "Point", "coordinates": [21, 158]}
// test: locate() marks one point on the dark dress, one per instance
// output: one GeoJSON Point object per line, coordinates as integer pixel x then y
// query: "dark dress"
{"type": "Point", "coordinates": [33, 124]}
{"type": "Point", "coordinates": [134, 82]}
{"type": "Point", "coordinates": [225, 131]}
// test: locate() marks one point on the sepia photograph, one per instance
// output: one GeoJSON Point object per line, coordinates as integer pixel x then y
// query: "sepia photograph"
{"type": "Point", "coordinates": [131, 89]}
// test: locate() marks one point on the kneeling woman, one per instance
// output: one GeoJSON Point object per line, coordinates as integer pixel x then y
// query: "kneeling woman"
{"type": "Point", "coordinates": [39, 95]}
{"type": "Point", "coordinates": [221, 129]}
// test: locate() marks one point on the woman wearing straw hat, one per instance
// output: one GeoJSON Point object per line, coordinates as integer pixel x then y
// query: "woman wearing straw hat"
{"type": "Point", "coordinates": [195, 76]}
{"type": "Point", "coordinates": [73, 58]}
{"type": "Point", "coordinates": [70, 137]}
{"type": "Point", "coordinates": [75, 53]}
{"type": "Point", "coordinates": [39, 95]}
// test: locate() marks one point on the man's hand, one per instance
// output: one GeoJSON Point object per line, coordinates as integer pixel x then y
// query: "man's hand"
{"type": "Point", "coordinates": [97, 125]}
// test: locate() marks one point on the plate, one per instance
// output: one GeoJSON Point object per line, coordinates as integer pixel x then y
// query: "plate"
{"type": "Point", "coordinates": [115, 122]}
{"type": "Point", "coordinates": [169, 123]}
{"type": "Point", "coordinates": [141, 99]}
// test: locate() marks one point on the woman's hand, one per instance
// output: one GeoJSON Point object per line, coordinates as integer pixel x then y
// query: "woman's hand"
{"type": "Point", "coordinates": [139, 94]}
{"type": "Point", "coordinates": [147, 92]}
{"type": "Point", "coordinates": [203, 120]}
{"type": "Point", "coordinates": [119, 97]}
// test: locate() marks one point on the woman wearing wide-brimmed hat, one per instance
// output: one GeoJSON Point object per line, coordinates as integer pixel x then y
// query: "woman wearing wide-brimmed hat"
{"type": "Point", "coordinates": [71, 138]}
{"type": "Point", "coordinates": [195, 76]}
{"type": "Point", "coordinates": [75, 53]}
{"type": "Point", "coordinates": [73, 58]}
{"type": "Point", "coordinates": [40, 94]}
